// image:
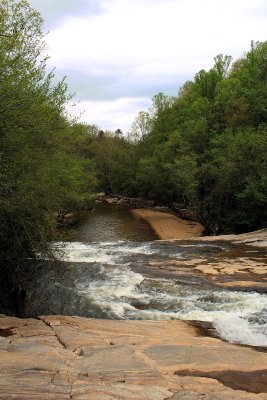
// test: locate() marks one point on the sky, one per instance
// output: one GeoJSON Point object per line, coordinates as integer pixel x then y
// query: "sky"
{"type": "Point", "coordinates": [117, 54]}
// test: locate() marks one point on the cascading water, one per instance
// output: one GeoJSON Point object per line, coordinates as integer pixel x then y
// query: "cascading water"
{"type": "Point", "coordinates": [122, 292]}
{"type": "Point", "coordinates": [122, 279]}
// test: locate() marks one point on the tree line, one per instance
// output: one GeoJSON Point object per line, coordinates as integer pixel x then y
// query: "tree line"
{"type": "Point", "coordinates": [205, 149]}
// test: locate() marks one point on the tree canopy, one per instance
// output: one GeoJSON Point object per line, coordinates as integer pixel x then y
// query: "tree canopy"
{"type": "Point", "coordinates": [204, 149]}
{"type": "Point", "coordinates": [41, 167]}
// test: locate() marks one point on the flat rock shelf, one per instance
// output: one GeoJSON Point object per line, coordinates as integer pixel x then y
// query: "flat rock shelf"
{"type": "Point", "coordinates": [61, 357]}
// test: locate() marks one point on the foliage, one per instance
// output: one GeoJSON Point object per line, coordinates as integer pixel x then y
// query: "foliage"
{"type": "Point", "coordinates": [41, 167]}
{"type": "Point", "coordinates": [115, 163]}
{"type": "Point", "coordinates": [205, 149]}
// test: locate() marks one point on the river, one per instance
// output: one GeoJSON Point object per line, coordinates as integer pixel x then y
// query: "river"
{"type": "Point", "coordinates": [116, 269]}
{"type": "Point", "coordinates": [109, 223]}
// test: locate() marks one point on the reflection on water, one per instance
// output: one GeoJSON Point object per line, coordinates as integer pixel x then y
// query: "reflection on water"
{"type": "Point", "coordinates": [109, 223]}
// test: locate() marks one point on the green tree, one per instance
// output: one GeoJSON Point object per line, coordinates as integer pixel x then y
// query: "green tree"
{"type": "Point", "coordinates": [207, 147]}
{"type": "Point", "coordinates": [116, 161]}
{"type": "Point", "coordinates": [41, 168]}
{"type": "Point", "coordinates": [140, 127]}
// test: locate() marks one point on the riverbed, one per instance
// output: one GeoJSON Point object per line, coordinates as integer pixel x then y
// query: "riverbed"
{"type": "Point", "coordinates": [117, 269]}
{"type": "Point", "coordinates": [111, 223]}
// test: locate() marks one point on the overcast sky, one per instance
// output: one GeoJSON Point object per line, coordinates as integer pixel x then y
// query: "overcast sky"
{"type": "Point", "coordinates": [117, 54]}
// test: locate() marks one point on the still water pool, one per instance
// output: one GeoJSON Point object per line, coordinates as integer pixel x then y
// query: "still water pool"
{"type": "Point", "coordinates": [109, 223]}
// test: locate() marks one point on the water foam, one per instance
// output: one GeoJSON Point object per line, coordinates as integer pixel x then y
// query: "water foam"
{"type": "Point", "coordinates": [122, 293]}
{"type": "Point", "coordinates": [237, 329]}
{"type": "Point", "coordinates": [111, 292]}
{"type": "Point", "coordinates": [110, 253]}
{"type": "Point", "coordinates": [120, 290]}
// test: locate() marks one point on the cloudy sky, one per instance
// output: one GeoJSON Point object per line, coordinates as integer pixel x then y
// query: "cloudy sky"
{"type": "Point", "coordinates": [117, 54]}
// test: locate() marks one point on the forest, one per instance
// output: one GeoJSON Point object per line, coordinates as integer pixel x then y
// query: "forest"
{"type": "Point", "coordinates": [204, 149]}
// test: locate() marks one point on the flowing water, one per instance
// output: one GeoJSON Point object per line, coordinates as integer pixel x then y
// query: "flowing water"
{"type": "Point", "coordinates": [112, 223]}
{"type": "Point", "coordinates": [123, 278]}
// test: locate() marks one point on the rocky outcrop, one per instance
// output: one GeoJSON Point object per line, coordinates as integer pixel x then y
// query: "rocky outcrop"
{"type": "Point", "coordinates": [61, 357]}
{"type": "Point", "coordinates": [237, 265]}
{"type": "Point", "coordinates": [243, 265]}
{"type": "Point", "coordinates": [132, 202]}
{"type": "Point", "coordinates": [255, 238]}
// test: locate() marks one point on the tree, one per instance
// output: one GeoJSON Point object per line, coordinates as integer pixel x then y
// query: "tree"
{"type": "Point", "coordinates": [40, 164]}
{"type": "Point", "coordinates": [115, 163]}
{"type": "Point", "coordinates": [140, 127]}
{"type": "Point", "coordinates": [222, 64]}
{"type": "Point", "coordinates": [207, 147]}
{"type": "Point", "coordinates": [251, 72]}
{"type": "Point", "coordinates": [161, 115]}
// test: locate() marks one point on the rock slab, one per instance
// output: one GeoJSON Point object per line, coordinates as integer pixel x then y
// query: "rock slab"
{"type": "Point", "coordinates": [60, 357]}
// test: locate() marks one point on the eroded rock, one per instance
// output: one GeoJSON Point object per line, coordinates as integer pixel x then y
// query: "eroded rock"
{"type": "Point", "coordinates": [62, 357]}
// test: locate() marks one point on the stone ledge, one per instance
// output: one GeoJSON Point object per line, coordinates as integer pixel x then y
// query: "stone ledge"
{"type": "Point", "coordinates": [104, 359]}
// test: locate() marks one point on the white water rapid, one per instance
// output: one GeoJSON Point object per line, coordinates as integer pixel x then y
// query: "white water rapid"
{"type": "Point", "coordinates": [117, 279]}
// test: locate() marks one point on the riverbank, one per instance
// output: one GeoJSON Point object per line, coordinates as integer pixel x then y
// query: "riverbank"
{"type": "Point", "coordinates": [60, 357]}
{"type": "Point", "coordinates": [169, 226]}
{"type": "Point", "coordinates": [166, 223]}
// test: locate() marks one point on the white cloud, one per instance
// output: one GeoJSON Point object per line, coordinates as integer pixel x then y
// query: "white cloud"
{"type": "Point", "coordinates": [130, 47]}
{"type": "Point", "coordinates": [132, 33]}
{"type": "Point", "coordinates": [110, 115]}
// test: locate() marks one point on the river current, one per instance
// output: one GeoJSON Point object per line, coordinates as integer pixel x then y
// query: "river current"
{"type": "Point", "coordinates": [152, 279]}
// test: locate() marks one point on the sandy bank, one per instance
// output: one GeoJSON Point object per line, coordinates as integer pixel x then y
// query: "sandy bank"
{"type": "Point", "coordinates": [169, 226]}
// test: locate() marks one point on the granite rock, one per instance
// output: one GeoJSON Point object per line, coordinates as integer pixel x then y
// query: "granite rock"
{"type": "Point", "coordinates": [60, 357]}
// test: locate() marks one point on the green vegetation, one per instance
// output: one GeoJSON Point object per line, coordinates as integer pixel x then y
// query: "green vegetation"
{"type": "Point", "coordinates": [42, 166]}
{"type": "Point", "coordinates": [206, 149]}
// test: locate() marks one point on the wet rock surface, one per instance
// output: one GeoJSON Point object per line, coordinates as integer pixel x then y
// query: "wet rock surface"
{"type": "Point", "coordinates": [60, 357]}
{"type": "Point", "coordinates": [255, 381]}
{"type": "Point", "coordinates": [63, 357]}
{"type": "Point", "coordinates": [212, 281]}
{"type": "Point", "coordinates": [242, 266]}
